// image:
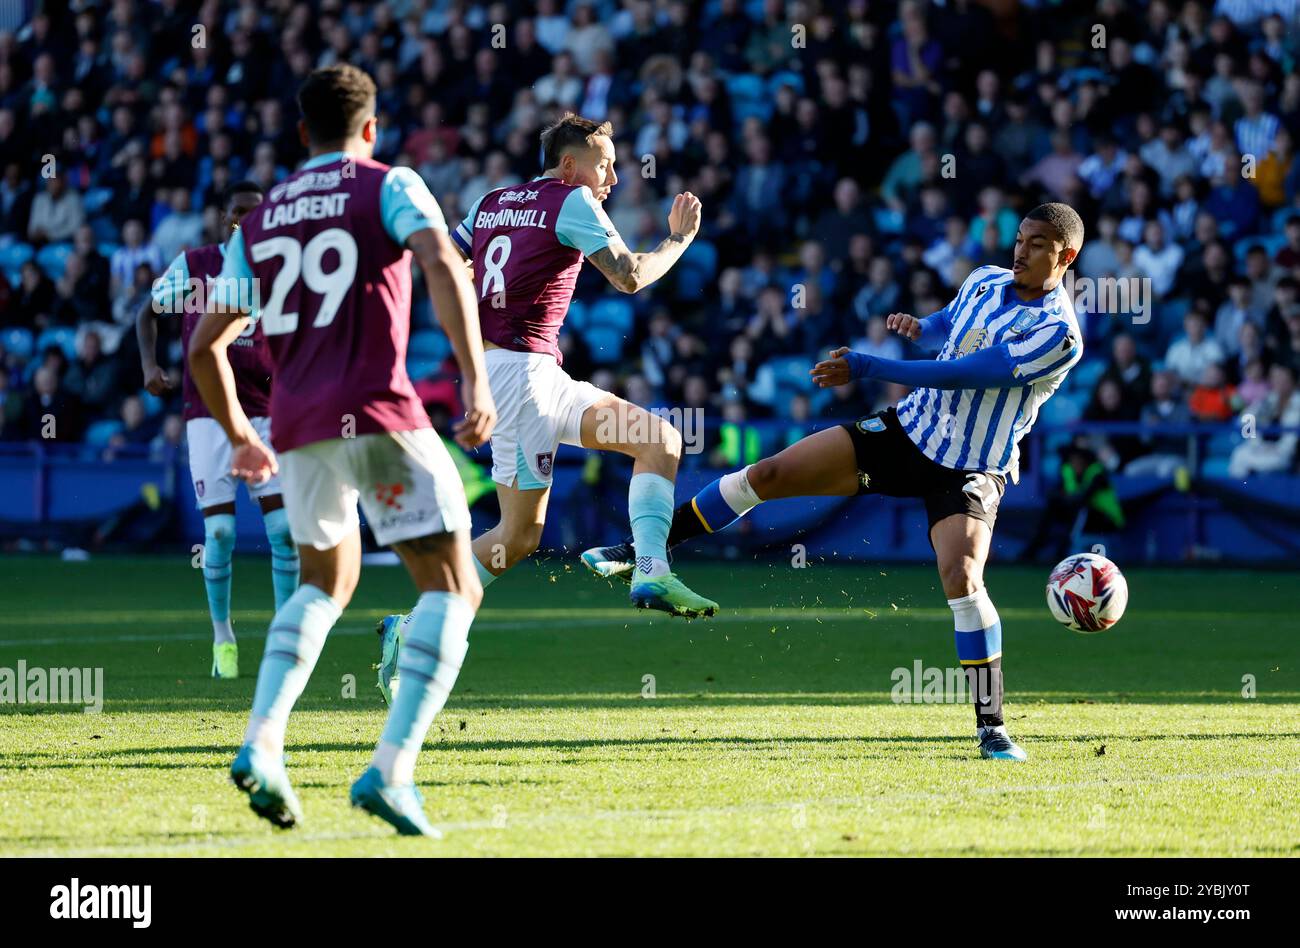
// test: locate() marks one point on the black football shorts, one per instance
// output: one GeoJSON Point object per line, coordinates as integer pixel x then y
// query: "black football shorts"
{"type": "Point", "coordinates": [890, 464]}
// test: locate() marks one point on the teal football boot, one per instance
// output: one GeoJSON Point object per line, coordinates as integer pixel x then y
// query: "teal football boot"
{"type": "Point", "coordinates": [390, 644]}
{"type": "Point", "coordinates": [996, 745]}
{"type": "Point", "coordinates": [669, 594]}
{"type": "Point", "coordinates": [267, 784]}
{"type": "Point", "coordinates": [400, 807]}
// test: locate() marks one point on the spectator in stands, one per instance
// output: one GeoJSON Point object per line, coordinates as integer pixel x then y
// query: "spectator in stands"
{"type": "Point", "coordinates": [1194, 351]}
{"type": "Point", "coordinates": [34, 301]}
{"type": "Point", "coordinates": [1108, 404]}
{"type": "Point", "coordinates": [132, 253]}
{"type": "Point", "coordinates": [137, 429]}
{"type": "Point", "coordinates": [1099, 257]}
{"type": "Point", "coordinates": [1129, 369]}
{"type": "Point", "coordinates": [1288, 255]}
{"type": "Point", "coordinates": [1254, 382]}
{"type": "Point", "coordinates": [181, 229]}
{"type": "Point", "coordinates": [1158, 258]}
{"type": "Point", "coordinates": [1277, 321]}
{"type": "Point", "coordinates": [1213, 399]}
{"type": "Point", "coordinates": [56, 212]}
{"type": "Point", "coordinates": [52, 413]}
{"type": "Point", "coordinates": [15, 199]}
{"type": "Point", "coordinates": [1164, 454]}
{"type": "Point", "coordinates": [1235, 313]}
{"type": "Point", "coordinates": [93, 377]}
{"type": "Point", "coordinates": [1271, 452]}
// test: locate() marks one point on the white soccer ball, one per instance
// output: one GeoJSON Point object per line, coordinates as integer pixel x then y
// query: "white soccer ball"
{"type": "Point", "coordinates": [1087, 593]}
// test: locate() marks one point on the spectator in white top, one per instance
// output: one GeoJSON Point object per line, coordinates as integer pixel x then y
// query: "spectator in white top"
{"type": "Point", "coordinates": [1100, 169]}
{"type": "Point", "coordinates": [1159, 258]}
{"type": "Point", "coordinates": [552, 25]}
{"type": "Point", "coordinates": [1194, 351]}
{"type": "Point", "coordinates": [56, 213]}
{"type": "Point", "coordinates": [182, 229]}
{"type": "Point", "coordinates": [587, 38]}
{"type": "Point", "coordinates": [561, 86]}
{"type": "Point", "coordinates": [1265, 453]}
{"type": "Point", "coordinates": [133, 252]}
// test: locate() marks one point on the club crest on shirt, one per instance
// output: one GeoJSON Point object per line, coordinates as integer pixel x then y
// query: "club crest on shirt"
{"type": "Point", "coordinates": [973, 340]}
{"type": "Point", "coordinates": [544, 463]}
{"type": "Point", "coordinates": [198, 487]}
{"type": "Point", "coordinates": [1024, 321]}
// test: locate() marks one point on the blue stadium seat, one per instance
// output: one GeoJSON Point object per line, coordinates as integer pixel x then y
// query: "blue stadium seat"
{"type": "Point", "coordinates": [605, 342]}
{"type": "Point", "coordinates": [153, 405]}
{"type": "Point", "coordinates": [53, 258]}
{"type": "Point", "coordinates": [577, 317]}
{"type": "Point", "coordinates": [1221, 443]}
{"type": "Point", "coordinates": [18, 341]}
{"type": "Point", "coordinates": [612, 312]}
{"type": "Point", "coordinates": [429, 345]}
{"type": "Point", "coordinates": [1214, 467]}
{"type": "Point", "coordinates": [1271, 243]}
{"type": "Point", "coordinates": [99, 432]}
{"type": "Point", "coordinates": [95, 200]}
{"type": "Point", "coordinates": [1083, 377]}
{"type": "Point", "coordinates": [1063, 408]}
{"type": "Point", "coordinates": [786, 78]}
{"type": "Point", "coordinates": [417, 369]}
{"type": "Point", "coordinates": [65, 337]}
{"type": "Point", "coordinates": [14, 253]}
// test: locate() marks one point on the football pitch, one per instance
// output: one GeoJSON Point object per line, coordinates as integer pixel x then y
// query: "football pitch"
{"type": "Point", "coordinates": [583, 727]}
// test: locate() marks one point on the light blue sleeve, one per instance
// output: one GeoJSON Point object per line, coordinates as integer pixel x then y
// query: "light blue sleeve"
{"type": "Point", "coordinates": [463, 235]}
{"type": "Point", "coordinates": [406, 205]}
{"type": "Point", "coordinates": [169, 289]}
{"type": "Point", "coordinates": [583, 223]}
{"type": "Point", "coordinates": [234, 288]}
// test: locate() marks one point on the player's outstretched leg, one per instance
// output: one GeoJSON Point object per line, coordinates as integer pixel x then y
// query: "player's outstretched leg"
{"type": "Point", "coordinates": [284, 554]}
{"type": "Point", "coordinates": [218, 555]}
{"type": "Point", "coordinates": [612, 424]}
{"type": "Point", "coordinates": [293, 645]}
{"type": "Point", "coordinates": [822, 464]}
{"type": "Point", "coordinates": [961, 545]}
{"type": "Point", "coordinates": [434, 642]}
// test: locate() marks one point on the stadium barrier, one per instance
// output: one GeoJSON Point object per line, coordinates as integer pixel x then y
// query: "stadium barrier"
{"type": "Point", "coordinates": [68, 495]}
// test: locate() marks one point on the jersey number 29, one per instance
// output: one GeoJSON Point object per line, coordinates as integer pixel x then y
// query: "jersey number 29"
{"type": "Point", "coordinates": [305, 262]}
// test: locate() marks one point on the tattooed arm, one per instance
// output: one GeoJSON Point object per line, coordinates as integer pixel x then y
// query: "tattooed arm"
{"type": "Point", "coordinates": [629, 272]}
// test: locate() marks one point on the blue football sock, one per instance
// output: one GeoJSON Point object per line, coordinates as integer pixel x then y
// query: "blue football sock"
{"type": "Point", "coordinates": [218, 550]}
{"type": "Point", "coordinates": [293, 644]}
{"type": "Point", "coordinates": [434, 642]}
{"type": "Point", "coordinates": [724, 501]}
{"type": "Point", "coordinates": [650, 508]}
{"type": "Point", "coordinates": [978, 637]}
{"type": "Point", "coordinates": [284, 556]}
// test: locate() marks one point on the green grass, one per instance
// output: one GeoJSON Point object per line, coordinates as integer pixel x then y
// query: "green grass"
{"type": "Point", "coordinates": [772, 731]}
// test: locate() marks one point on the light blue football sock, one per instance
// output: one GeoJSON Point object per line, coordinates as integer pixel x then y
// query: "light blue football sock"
{"type": "Point", "coordinates": [485, 577]}
{"type": "Point", "coordinates": [293, 644]}
{"type": "Point", "coordinates": [284, 556]}
{"type": "Point", "coordinates": [218, 551]}
{"type": "Point", "coordinates": [434, 642]}
{"type": "Point", "coordinates": [650, 508]}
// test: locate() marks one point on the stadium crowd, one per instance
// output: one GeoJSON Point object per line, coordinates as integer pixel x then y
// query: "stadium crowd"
{"type": "Point", "coordinates": [853, 159]}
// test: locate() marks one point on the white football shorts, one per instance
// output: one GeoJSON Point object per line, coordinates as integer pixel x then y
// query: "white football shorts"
{"type": "Point", "coordinates": [210, 462]}
{"type": "Point", "coordinates": [405, 481]}
{"type": "Point", "coordinates": [539, 407]}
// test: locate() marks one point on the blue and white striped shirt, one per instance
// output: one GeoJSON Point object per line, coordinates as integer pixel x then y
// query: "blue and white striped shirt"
{"type": "Point", "coordinates": [979, 429]}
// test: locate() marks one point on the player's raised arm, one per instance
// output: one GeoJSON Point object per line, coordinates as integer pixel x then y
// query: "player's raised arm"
{"type": "Point", "coordinates": [629, 272]}
{"type": "Point", "coordinates": [1041, 354]}
{"type": "Point", "coordinates": [453, 303]}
